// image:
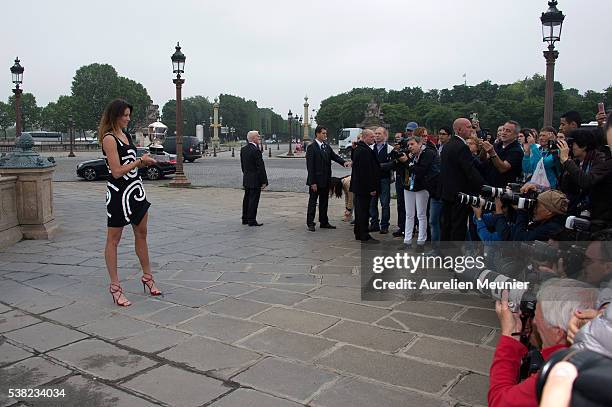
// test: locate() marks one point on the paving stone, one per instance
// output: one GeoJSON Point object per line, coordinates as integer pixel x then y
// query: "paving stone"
{"type": "Point", "coordinates": [102, 359]}
{"type": "Point", "coordinates": [12, 292]}
{"type": "Point", "coordinates": [4, 308]}
{"type": "Point", "coordinates": [246, 277]}
{"type": "Point", "coordinates": [357, 393]}
{"type": "Point", "coordinates": [10, 353]}
{"type": "Point", "coordinates": [298, 288]}
{"type": "Point", "coordinates": [12, 320]}
{"type": "Point", "coordinates": [30, 373]}
{"type": "Point", "coordinates": [77, 314]}
{"type": "Point", "coordinates": [209, 355]}
{"type": "Point", "coordinates": [429, 308]}
{"type": "Point", "coordinates": [272, 296]}
{"type": "Point", "coordinates": [196, 276]}
{"type": "Point", "coordinates": [294, 320]}
{"type": "Point", "coordinates": [82, 392]}
{"type": "Point", "coordinates": [177, 387]}
{"type": "Point", "coordinates": [471, 389]}
{"type": "Point", "coordinates": [116, 327]}
{"type": "Point", "coordinates": [342, 309]}
{"type": "Point", "coordinates": [480, 316]}
{"type": "Point", "coordinates": [24, 275]}
{"type": "Point", "coordinates": [237, 307]}
{"type": "Point", "coordinates": [341, 280]}
{"type": "Point", "coordinates": [298, 279]}
{"type": "Point", "coordinates": [190, 298]}
{"type": "Point", "coordinates": [185, 265]}
{"type": "Point", "coordinates": [142, 307]}
{"type": "Point", "coordinates": [298, 382]}
{"type": "Point", "coordinates": [233, 289]}
{"type": "Point", "coordinates": [470, 299]}
{"type": "Point", "coordinates": [252, 398]}
{"type": "Point", "coordinates": [331, 269]}
{"type": "Point", "coordinates": [51, 282]}
{"type": "Point", "coordinates": [173, 315]}
{"type": "Point", "coordinates": [439, 327]}
{"type": "Point", "coordinates": [394, 370]}
{"type": "Point", "coordinates": [20, 266]}
{"type": "Point", "coordinates": [156, 340]}
{"type": "Point", "coordinates": [368, 336]}
{"type": "Point", "coordinates": [278, 268]}
{"type": "Point", "coordinates": [219, 327]}
{"type": "Point", "coordinates": [45, 336]}
{"type": "Point", "coordinates": [44, 303]}
{"type": "Point", "coordinates": [471, 357]}
{"type": "Point", "coordinates": [292, 345]}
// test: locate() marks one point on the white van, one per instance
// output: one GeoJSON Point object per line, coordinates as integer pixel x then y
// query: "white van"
{"type": "Point", "coordinates": [347, 136]}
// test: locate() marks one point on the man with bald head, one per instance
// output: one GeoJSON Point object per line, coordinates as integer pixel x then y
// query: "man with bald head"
{"type": "Point", "coordinates": [254, 178]}
{"type": "Point", "coordinates": [458, 174]}
{"type": "Point", "coordinates": [365, 184]}
{"type": "Point", "coordinates": [382, 150]}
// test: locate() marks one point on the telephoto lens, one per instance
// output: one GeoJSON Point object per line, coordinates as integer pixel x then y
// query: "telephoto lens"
{"type": "Point", "coordinates": [592, 386]}
{"type": "Point", "coordinates": [475, 201]}
{"type": "Point", "coordinates": [491, 192]}
{"type": "Point", "coordinates": [518, 200]}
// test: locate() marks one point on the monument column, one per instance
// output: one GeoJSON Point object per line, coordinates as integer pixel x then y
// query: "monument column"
{"type": "Point", "coordinates": [306, 125]}
{"type": "Point", "coordinates": [216, 125]}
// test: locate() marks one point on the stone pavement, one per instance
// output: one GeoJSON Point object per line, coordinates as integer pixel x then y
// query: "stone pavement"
{"type": "Point", "coordinates": [262, 317]}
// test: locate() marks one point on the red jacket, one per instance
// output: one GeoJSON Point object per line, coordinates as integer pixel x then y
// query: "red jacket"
{"type": "Point", "coordinates": [504, 390]}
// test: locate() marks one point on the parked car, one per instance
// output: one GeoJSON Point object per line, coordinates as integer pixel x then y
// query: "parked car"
{"type": "Point", "coordinates": [96, 169]}
{"type": "Point", "coordinates": [191, 147]}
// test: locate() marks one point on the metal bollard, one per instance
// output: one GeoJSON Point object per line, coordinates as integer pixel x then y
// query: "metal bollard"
{"type": "Point", "coordinates": [269, 152]}
{"type": "Point", "coordinates": [214, 151]}
{"type": "Point", "coordinates": [233, 152]}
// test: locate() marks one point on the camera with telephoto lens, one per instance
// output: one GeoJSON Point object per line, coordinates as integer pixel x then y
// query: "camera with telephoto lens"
{"type": "Point", "coordinates": [475, 201]}
{"type": "Point", "coordinates": [573, 256]}
{"type": "Point", "coordinates": [399, 149]}
{"type": "Point", "coordinates": [522, 201]}
{"type": "Point", "coordinates": [592, 385]}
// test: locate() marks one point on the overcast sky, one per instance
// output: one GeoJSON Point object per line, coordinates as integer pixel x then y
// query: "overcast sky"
{"type": "Point", "coordinates": [276, 51]}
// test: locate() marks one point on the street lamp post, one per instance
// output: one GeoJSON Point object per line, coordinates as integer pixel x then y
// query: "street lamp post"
{"type": "Point", "coordinates": [17, 73]}
{"type": "Point", "coordinates": [71, 130]}
{"type": "Point", "coordinates": [290, 127]}
{"type": "Point", "coordinates": [178, 65]}
{"type": "Point", "coordinates": [552, 22]}
{"type": "Point", "coordinates": [306, 129]}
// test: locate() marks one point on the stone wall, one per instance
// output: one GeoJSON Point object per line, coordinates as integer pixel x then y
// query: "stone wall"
{"type": "Point", "coordinates": [10, 232]}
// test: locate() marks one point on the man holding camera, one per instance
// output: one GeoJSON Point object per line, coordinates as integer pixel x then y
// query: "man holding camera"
{"type": "Point", "coordinates": [505, 158]}
{"type": "Point", "coordinates": [548, 218]}
{"type": "Point", "coordinates": [557, 300]}
{"type": "Point", "coordinates": [400, 173]}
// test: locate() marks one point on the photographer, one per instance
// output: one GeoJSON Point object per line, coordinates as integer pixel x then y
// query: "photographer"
{"type": "Point", "coordinates": [587, 178]}
{"type": "Point", "coordinates": [548, 219]}
{"type": "Point", "coordinates": [546, 151]}
{"type": "Point", "coordinates": [505, 158]}
{"type": "Point", "coordinates": [401, 141]}
{"type": "Point", "coordinates": [422, 171]}
{"type": "Point", "coordinates": [557, 299]}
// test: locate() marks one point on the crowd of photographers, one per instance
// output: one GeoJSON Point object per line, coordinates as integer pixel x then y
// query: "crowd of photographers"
{"type": "Point", "coordinates": [538, 205]}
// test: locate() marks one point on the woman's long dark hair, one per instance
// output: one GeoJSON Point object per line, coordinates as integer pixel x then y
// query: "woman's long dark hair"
{"type": "Point", "coordinates": [113, 112]}
{"type": "Point", "coordinates": [335, 187]}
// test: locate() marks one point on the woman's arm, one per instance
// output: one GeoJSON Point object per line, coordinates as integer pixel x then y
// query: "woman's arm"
{"type": "Point", "coordinates": [112, 156]}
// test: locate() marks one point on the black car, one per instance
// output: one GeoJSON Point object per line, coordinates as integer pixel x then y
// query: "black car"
{"type": "Point", "coordinates": [191, 147]}
{"type": "Point", "coordinates": [96, 169]}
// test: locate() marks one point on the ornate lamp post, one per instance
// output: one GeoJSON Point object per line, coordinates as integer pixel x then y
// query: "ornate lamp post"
{"type": "Point", "coordinates": [71, 130]}
{"type": "Point", "coordinates": [17, 73]}
{"type": "Point", "coordinates": [215, 125]}
{"type": "Point", "coordinates": [306, 128]}
{"type": "Point", "coordinates": [290, 126]}
{"type": "Point", "coordinates": [178, 66]}
{"type": "Point", "coordinates": [552, 22]}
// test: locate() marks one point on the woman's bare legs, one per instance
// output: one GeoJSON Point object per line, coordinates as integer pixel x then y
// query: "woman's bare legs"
{"type": "Point", "coordinates": [113, 237]}
{"type": "Point", "coordinates": [142, 251]}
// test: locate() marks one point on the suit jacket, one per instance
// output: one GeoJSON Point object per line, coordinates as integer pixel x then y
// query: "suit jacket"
{"type": "Point", "coordinates": [318, 164]}
{"type": "Point", "coordinates": [365, 176]}
{"type": "Point", "coordinates": [458, 172]}
{"type": "Point", "coordinates": [253, 168]}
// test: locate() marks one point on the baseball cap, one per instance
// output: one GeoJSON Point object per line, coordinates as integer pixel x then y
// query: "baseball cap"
{"type": "Point", "coordinates": [411, 126]}
{"type": "Point", "coordinates": [555, 201]}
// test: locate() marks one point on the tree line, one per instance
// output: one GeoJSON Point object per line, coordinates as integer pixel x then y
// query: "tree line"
{"type": "Point", "coordinates": [522, 101]}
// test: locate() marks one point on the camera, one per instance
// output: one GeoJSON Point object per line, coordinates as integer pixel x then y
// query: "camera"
{"type": "Point", "coordinates": [399, 149]}
{"type": "Point", "coordinates": [573, 256]}
{"type": "Point", "coordinates": [592, 385]}
{"type": "Point", "coordinates": [475, 201]}
{"type": "Point", "coordinates": [522, 201]}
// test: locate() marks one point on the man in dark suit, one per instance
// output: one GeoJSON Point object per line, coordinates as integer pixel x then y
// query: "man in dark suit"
{"type": "Point", "coordinates": [254, 178]}
{"type": "Point", "coordinates": [458, 174]}
{"type": "Point", "coordinates": [365, 184]}
{"type": "Point", "coordinates": [319, 156]}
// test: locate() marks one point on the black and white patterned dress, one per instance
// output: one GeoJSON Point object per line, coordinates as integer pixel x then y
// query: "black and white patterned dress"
{"type": "Point", "coordinates": [126, 200]}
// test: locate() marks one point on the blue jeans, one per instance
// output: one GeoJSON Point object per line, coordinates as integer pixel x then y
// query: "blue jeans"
{"type": "Point", "coordinates": [385, 202]}
{"type": "Point", "coordinates": [435, 213]}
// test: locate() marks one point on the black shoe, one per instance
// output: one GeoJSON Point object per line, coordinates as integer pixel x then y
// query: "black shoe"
{"type": "Point", "coordinates": [384, 231]}
{"type": "Point", "coordinates": [311, 228]}
{"type": "Point", "coordinates": [371, 241]}
{"type": "Point", "coordinates": [244, 222]}
{"type": "Point", "coordinates": [374, 228]}
{"type": "Point", "coordinates": [328, 226]}
{"type": "Point", "coordinates": [398, 233]}
{"type": "Point", "coordinates": [255, 224]}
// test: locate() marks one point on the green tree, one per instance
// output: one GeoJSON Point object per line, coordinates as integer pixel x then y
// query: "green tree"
{"type": "Point", "coordinates": [138, 97]}
{"type": "Point", "coordinates": [30, 112]}
{"type": "Point", "coordinates": [56, 115]}
{"type": "Point", "coordinates": [6, 120]}
{"type": "Point", "coordinates": [93, 87]}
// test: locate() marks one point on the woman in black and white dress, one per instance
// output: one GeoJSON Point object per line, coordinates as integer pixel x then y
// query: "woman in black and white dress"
{"type": "Point", "coordinates": [126, 200]}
